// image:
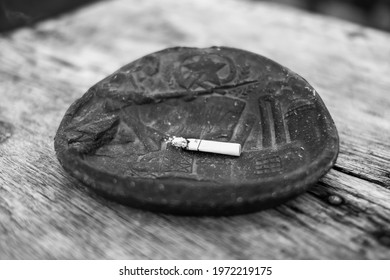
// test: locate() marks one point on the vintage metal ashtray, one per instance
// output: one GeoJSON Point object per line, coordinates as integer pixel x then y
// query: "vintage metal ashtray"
{"type": "Point", "coordinates": [114, 138]}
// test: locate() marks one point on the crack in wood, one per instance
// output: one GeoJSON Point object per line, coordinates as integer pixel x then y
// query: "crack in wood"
{"type": "Point", "coordinates": [360, 176]}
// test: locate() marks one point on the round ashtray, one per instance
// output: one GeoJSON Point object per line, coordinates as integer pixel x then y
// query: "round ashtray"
{"type": "Point", "coordinates": [113, 138]}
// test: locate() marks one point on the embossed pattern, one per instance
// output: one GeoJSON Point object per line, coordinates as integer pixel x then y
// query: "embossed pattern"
{"type": "Point", "coordinates": [118, 128]}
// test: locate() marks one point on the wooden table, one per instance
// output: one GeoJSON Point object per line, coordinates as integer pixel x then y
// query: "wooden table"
{"type": "Point", "coordinates": [45, 213]}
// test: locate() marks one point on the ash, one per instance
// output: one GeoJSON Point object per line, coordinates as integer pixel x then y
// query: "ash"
{"type": "Point", "coordinates": [179, 142]}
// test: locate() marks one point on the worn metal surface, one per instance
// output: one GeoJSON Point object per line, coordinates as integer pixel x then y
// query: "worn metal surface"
{"type": "Point", "coordinates": [114, 138]}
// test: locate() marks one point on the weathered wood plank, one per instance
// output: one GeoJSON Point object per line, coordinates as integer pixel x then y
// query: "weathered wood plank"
{"type": "Point", "coordinates": [44, 213]}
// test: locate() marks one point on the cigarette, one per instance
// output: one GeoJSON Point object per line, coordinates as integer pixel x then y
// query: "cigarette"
{"type": "Point", "coordinates": [208, 146]}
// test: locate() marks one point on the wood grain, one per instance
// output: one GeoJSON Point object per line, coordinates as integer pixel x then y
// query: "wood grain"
{"type": "Point", "coordinates": [46, 214]}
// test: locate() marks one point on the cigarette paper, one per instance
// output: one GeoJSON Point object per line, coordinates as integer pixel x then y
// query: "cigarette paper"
{"type": "Point", "coordinates": [225, 148]}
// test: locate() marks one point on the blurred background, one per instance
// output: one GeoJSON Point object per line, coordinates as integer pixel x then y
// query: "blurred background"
{"type": "Point", "coordinates": [16, 13]}
{"type": "Point", "coordinates": [372, 13]}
